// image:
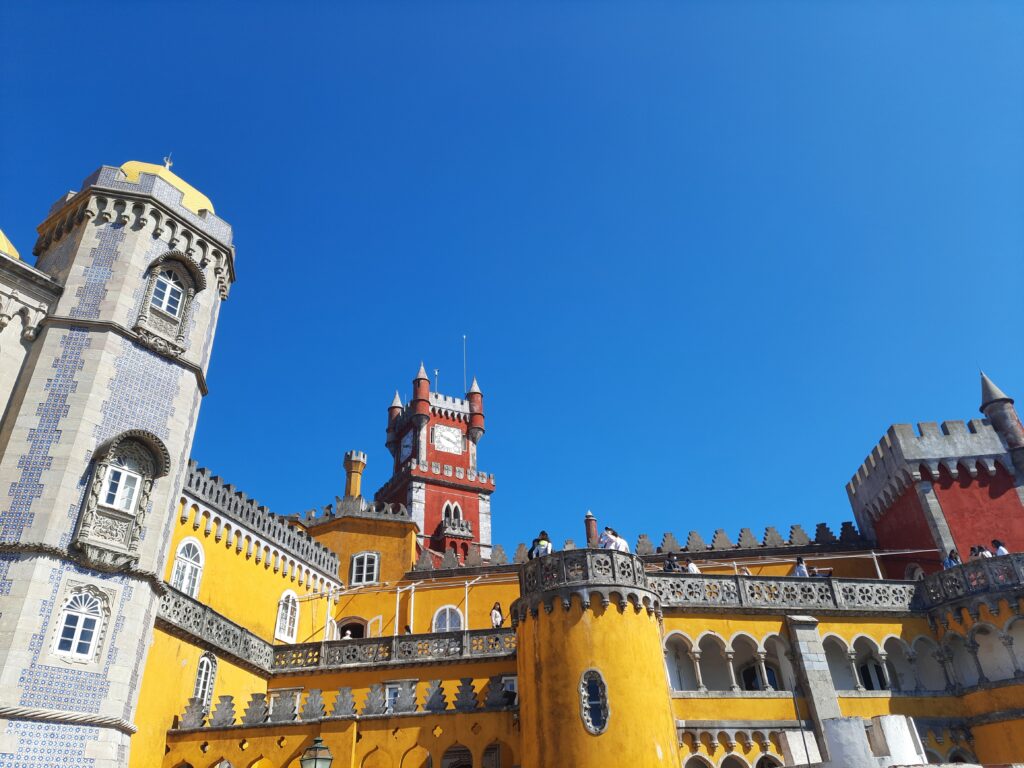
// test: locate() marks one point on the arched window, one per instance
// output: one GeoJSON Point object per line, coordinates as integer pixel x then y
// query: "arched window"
{"type": "Point", "coordinates": [188, 567]}
{"type": "Point", "coordinates": [287, 617]}
{"type": "Point", "coordinates": [593, 702]}
{"type": "Point", "coordinates": [751, 678]}
{"type": "Point", "coordinates": [115, 508]}
{"type": "Point", "coordinates": [206, 673]}
{"type": "Point", "coordinates": [452, 511]}
{"type": "Point", "coordinates": [168, 292]}
{"type": "Point", "coordinates": [447, 619]}
{"type": "Point", "coordinates": [80, 625]}
{"type": "Point", "coordinates": [365, 568]}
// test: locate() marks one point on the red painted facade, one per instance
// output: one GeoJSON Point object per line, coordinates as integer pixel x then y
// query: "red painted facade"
{"type": "Point", "coordinates": [981, 508]}
{"type": "Point", "coordinates": [903, 526]}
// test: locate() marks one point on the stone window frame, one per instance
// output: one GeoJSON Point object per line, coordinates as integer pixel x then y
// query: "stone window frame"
{"type": "Point", "coordinates": [106, 598]}
{"type": "Point", "coordinates": [443, 608]}
{"type": "Point", "coordinates": [108, 535]}
{"type": "Point", "coordinates": [366, 554]}
{"type": "Point", "coordinates": [593, 728]}
{"type": "Point", "coordinates": [202, 689]}
{"type": "Point", "coordinates": [453, 510]}
{"type": "Point", "coordinates": [185, 563]}
{"type": "Point", "coordinates": [159, 330]}
{"type": "Point", "coordinates": [288, 599]}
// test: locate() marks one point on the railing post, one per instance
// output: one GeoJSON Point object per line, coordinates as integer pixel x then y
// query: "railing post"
{"type": "Point", "coordinates": [740, 589]}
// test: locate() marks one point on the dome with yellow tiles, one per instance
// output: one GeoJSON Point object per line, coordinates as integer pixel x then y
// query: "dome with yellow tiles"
{"type": "Point", "coordinates": [7, 247]}
{"type": "Point", "coordinates": [191, 197]}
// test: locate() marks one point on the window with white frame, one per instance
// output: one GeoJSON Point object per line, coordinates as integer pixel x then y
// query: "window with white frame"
{"type": "Point", "coordinates": [120, 486]}
{"type": "Point", "coordinates": [510, 689]}
{"type": "Point", "coordinates": [365, 568]}
{"type": "Point", "coordinates": [80, 624]}
{"type": "Point", "coordinates": [391, 692]}
{"type": "Point", "coordinates": [206, 673]}
{"type": "Point", "coordinates": [452, 511]}
{"type": "Point", "coordinates": [593, 702]}
{"type": "Point", "coordinates": [287, 617]}
{"type": "Point", "coordinates": [168, 292]}
{"type": "Point", "coordinates": [188, 567]}
{"type": "Point", "coordinates": [447, 619]}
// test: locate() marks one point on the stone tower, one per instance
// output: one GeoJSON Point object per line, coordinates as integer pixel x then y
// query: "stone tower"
{"type": "Point", "coordinates": [433, 440]}
{"type": "Point", "coordinates": [590, 663]}
{"type": "Point", "coordinates": [94, 444]}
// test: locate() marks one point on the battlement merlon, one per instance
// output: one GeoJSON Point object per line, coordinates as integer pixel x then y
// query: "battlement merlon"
{"type": "Point", "coordinates": [109, 192]}
{"type": "Point", "coordinates": [223, 498]}
{"type": "Point", "coordinates": [895, 463]}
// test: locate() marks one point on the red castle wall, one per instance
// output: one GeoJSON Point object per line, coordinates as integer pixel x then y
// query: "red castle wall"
{"type": "Point", "coordinates": [903, 526]}
{"type": "Point", "coordinates": [980, 509]}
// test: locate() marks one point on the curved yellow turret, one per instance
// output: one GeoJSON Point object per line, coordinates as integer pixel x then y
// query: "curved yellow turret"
{"type": "Point", "coordinates": [592, 681]}
{"type": "Point", "coordinates": [191, 197]}
{"type": "Point", "coordinates": [7, 247]}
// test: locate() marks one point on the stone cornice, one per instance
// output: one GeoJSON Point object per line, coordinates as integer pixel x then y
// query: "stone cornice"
{"type": "Point", "coordinates": [46, 550]}
{"type": "Point", "coordinates": [61, 321]}
{"type": "Point", "coordinates": [70, 718]}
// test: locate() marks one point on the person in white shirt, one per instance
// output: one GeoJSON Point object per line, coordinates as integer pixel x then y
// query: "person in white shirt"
{"type": "Point", "coordinates": [607, 540]}
{"type": "Point", "coordinates": [801, 569]}
{"type": "Point", "coordinates": [497, 619]}
{"type": "Point", "coordinates": [1000, 548]}
{"type": "Point", "coordinates": [983, 551]}
{"type": "Point", "coordinates": [542, 546]}
{"type": "Point", "coordinates": [620, 543]}
{"type": "Point", "coordinates": [691, 567]}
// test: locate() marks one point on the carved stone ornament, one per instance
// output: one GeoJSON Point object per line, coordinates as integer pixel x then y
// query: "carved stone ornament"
{"type": "Point", "coordinates": [109, 536]}
{"type": "Point", "coordinates": [157, 330]}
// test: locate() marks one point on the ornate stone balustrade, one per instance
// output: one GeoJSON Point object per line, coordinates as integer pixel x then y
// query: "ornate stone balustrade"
{"type": "Point", "coordinates": [403, 649]}
{"type": "Point", "coordinates": [743, 593]}
{"type": "Point", "coordinates": [181, 615]}
{"type": "Point", "coordinates": [587, 573]}
{"type": "Point", "coordinates": [976, 577]}
{"type": "Point", "coordinates": [457, 528]}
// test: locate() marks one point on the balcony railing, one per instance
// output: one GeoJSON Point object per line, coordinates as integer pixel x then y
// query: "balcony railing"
{"type": "Point", "coordinates": [990, 574]}
{"type": "Point", "coordinates": [401, 649]}
{"type": "Point", "coordinates": [457, 528]}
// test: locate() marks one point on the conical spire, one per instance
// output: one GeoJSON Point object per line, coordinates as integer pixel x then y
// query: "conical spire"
{"type": "Point", "coordinates": [423, 373]}
{"type": "Point", "coordinates": [474, 387]}
{"type": "Point", "coordinates": [397, 402]}
{"type": "Point", "coordinates": [990, 393]}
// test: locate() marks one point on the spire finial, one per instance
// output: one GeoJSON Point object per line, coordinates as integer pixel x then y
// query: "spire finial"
{"type": "Point", "coordinates": [167, 161]}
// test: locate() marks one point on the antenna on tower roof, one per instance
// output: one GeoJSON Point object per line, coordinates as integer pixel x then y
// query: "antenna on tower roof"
{"type": "Point", "coordinates": [435, 380]}
{"type": "Point", "coordinates": [168, 162]}
{"type": "Point", "coordinates": [463, 362]}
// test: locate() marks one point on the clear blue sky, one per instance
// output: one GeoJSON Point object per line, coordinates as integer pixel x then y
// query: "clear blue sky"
{"type": "Point", "coordinates": [705, 252]}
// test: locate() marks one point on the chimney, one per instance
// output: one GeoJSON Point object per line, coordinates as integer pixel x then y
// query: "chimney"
{"type": "Point", "coordinates": [590, 524]}
{"type": "Point", "coordinates": [355, 463]}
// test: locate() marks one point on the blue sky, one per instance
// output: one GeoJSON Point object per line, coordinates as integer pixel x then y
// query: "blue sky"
{"type": "Point", "coordinates": [704, 252]}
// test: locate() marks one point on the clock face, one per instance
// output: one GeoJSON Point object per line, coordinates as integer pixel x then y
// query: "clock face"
{"type": "Point", "coordinates": [448, 439]}
{"type": "Point", "coordinates": [406, 446]}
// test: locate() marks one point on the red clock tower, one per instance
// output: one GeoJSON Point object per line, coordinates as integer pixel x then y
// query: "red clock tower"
{"type": "Point", "coordinates": [433, 439]}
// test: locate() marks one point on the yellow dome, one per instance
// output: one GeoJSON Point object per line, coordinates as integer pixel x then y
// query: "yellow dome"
{"type": "Point", "coordinates": [191, 197]}
{"type": "Point", "coordinates": [6, 246]}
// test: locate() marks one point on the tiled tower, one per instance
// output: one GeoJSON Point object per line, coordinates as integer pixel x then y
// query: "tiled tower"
{"type": "Point", "coordinates": [433, 439]}
{"type": "Point", "coordinates": [94, 446]}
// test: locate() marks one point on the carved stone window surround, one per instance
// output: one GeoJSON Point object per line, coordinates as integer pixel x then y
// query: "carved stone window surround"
{"type": "Point", "coordinates": [159, 330]}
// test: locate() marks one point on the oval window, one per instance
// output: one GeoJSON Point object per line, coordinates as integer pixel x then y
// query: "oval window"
{"type": "Point", "coordinates": [594, 702]}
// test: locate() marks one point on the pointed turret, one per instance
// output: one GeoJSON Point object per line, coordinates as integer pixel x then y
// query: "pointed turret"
{"type": "Point", "coordinates": [998, 409]}
{"type": "Point", "coordinates": [990, 393]}
{"type": "Point", "coordinates": [396, 401]}
{"type": "Point", "coordinates": [475, 398]}
{"type": "Point", "coordinates": [421, 397]}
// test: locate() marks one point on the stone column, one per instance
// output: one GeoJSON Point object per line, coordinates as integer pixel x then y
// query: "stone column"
{"type": "Point", "coordinates": [912, 660]}
{"type": "Point", "coordinates": [886, 678]}
{"type": "Point", "coordinates": [852, 656]}
{"type": "Point", "coordinates": [695, 658]}
{"type": "Point", "coordinates": [765, 685]}
{"type": "Point", "coordinates": [729, 656]}
{"type": "Point", "coordinates": [947, 669]}
{"type": "Point", "coordinates": [972, 648]}
{"type": "Point", "coordinates": [1007, 641]}
{"type": "Point", "coordinates": [811, 667]}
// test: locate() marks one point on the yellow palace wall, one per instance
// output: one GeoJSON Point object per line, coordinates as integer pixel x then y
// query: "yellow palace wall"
{"type": "Point", "coordinates": [395, 541]}
{"type": "Point", "coordinates": [239, 588]}
{"type": "Point", "coordinates": [167, 685]}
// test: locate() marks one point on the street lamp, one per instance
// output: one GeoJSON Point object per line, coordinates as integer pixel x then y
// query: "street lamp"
{"type": "Point", "coordinates": [317, 755]}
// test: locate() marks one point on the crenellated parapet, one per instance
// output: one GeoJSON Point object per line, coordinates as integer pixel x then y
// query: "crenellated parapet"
{"type": "Point", "coordinates": [588, 574]}
{"type": "Point", "coordinates": [150, 205]}
{"type": "Point", "coordinates": [204, 486]}
{"type": "Point", "coordinates": [748, 543]}
{"type": "Point", "coordinates": [906, 455]}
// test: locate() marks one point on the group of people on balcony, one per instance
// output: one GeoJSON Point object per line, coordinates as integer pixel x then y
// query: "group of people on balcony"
{"type": "Point", "coordinates": [979, 552]}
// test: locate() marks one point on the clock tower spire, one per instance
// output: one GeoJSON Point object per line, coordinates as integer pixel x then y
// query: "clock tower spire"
{"type": "Point", "coordinates": [433, 440]}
